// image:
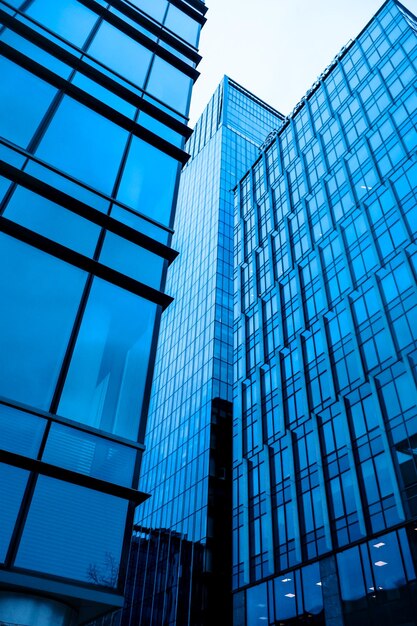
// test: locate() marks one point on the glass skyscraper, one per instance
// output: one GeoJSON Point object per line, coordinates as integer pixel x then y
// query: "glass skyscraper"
{"type": "Point", "coordinates": [325, 323]}
{"type": "Point", "coordinates": [180, 562]}
{"type": "Point", "coordinates": [94, 98]}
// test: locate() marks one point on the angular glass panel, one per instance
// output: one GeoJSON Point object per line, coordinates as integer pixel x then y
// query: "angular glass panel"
{"type": "Point", "coordinates": [20, 432]}
{"type": "Point", "coordinates": [132, 260]}
{"type": "Point", "coordinates": [256, 605]}
{"type": "Point", "coordinates": [12, 487]}
{"type": "Point", "coordinates": [34, 52]}
{"type": "Point", "coordinates": [69, 19]}
{"type": "Point", "coordinates": [125, 56]}
{"type": "Point", "coordinates": [285, 596]}
{"type": "Point", "coordinates": [42, 294]}
{"type": "Point", "coordinates": [53, 221]}
{"type": "Point", "coordinates": [350, 575]}
{"type": "Point", "coordinates": [154, 8]}
{"type": "Point", "coordinates": [312, 589]}
{"type": "Point", "coordinates": [83, 144]}
{"type": "Point", "coordinates": [88, 454]}
{"type": "Point", "coordinates": [73, 532]}
{"type": "Point", "coordinates": [182, 25]}
{"type": "Point", "coordinates": [106, 378]}
{"type": "Point", "coordinates": [140, 224]}
{"type": "Point", "coordinates": [148, 181]}
{"type": "Point", "coordinates": [19, 115]}
{"type": "Point", "coordinates": [169, 84]}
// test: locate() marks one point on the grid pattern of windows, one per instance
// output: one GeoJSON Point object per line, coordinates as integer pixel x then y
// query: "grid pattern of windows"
{"type": "Point", "coordinates": [94, 98]}
{"type": "Point", "coordinates": [325, 396]}
{"type": "Point", "coordinates": [187, 463]}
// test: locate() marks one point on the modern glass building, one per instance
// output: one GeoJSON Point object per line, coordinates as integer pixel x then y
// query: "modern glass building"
{"type": "Point", "coordinates": [181, 561]}
{"type": "Point", "coordinates": [94, 98]}
{"type": "Point", "coordinates": [325, 397]}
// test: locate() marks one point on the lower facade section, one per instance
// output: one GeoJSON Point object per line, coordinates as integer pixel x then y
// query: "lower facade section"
{"type": "Point", "coordinates": [21, 609]}
{"type": "Point", "coordinates": [372, 583]}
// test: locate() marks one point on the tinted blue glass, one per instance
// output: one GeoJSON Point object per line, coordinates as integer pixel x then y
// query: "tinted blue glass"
{"type": "Point", "coordinates": [12, 486]}
{"type": "Point", "coordinates": [105, 383]}
{"type": "Point", "coordinates": [73, 532]}
{"type": "Point", "coordinates": [154, 8]}
{"type": "Point", "coordinates": [169, 84]}
{"type": "Point", "coordinates": [34, 52]}
{"type": "Point", "coordinates": [140, 224]}
{"type": "Point", "coordinates": [312, 589]}
{"type": "Point", "coordinates": [20, 432]}
{"type": "Point", "coordinates": [20, 115]}
{"type": "Point", "coordinates": [125, 56]}
{"type": "Point", "coordinates": [43, 295]}
{"type": "Point", "coordinates": [350, 575]}
{"type": "Point", "coordinates": [285, 596]}
{"type": "Point", "coordinates": [53, 221]}
{"type": "Point", "coordinates": [256, 605]}
{"type": "Point", "coordinates": [87, 454]}
{"type": "Point", "coordinates": [387, 562]}
{"type": "Point", "coordinates": [160, 129]}
{"type": "Point", "coordinates": [84, 145]}
{"type": "Point", "coordinates": [104, 95]}
{"type": "Point", "coordinates": [69, 19]}
{"type": "Point", "coordinates": [148, 181]}
{"type": "Point", "coordinates": [182, 25]}
{"type": "Point", "coordinates": [132, 260]}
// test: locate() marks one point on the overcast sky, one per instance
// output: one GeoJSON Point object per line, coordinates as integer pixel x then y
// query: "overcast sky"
{"type": "Point", "coordinates": [275, 48]}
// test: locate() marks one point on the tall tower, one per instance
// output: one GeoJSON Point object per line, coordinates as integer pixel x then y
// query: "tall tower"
{"type": "Point", "coordinates": [94, 98]}
{"type": "Point", "coordinates": [325, 397]}
{"type": "Point", "coordinates": [187, 466]}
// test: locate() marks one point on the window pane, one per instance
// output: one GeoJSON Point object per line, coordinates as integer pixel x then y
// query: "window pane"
{"type": "Point", "coordinates": [87, 454]}
{"type": "Point", "coordinates": [84, 145]}
{"type": "Point", "coordinates": [12, 486]}
{"type": "Point", "coordinates": [154, 8]}
{"type": "Point", "coordinates": [132, 260]}
{"type": "Point", "coordinates": [20, 432]}
{"type": "Point", "coordinates": [106, 379]}
{"type": "Point", "coordinates": [124, 56]}
{"type": "Point", "coordinates": [20, 115]}
{"type": "Point", "coordinates": [182, 25]}
{"type": "Point", "coordinates": [169, 85]}
{"type": "Point", "coordinates": [42, 295]}
{"type": "Point", "coordinates": [53, 221]}
{"type": "Point", "coordinates": [69, 19]}
{"type": "Point", "coordinates": [148, 181]}
{"type": "Point", "coordinates": [73, 532]}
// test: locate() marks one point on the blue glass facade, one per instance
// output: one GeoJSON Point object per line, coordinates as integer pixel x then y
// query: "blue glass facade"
{"type": "Point", "coordinates": [187, 464]}
{"type": "Point", "coordinates": [325, 323]}
{"type": "Point", "coordinates": [94, 98]}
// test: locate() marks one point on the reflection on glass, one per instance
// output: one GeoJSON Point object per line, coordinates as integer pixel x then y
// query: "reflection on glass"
{"type": "Point", "coordinates": [169, 85]}
{"type": "Point", "coordinates": [285, 597]}
{"type": "Point", "coordinates": [20, 432]}
{"type": "Point", "coordinates": [257, 605]}
{"type": "Point", "coordinates": [83, 144]}
{"type": "Point", "coordinates": [53, 221]}
{"type": "Point", "coordinates": [42, 295]}
{"type": "Point", "coordinates": [19, 114]}
{"type": "Point", "coordinates": [312, 589]}
{"type": "Point", "coordinates": [12, 486]}
{"type": "Point", "coordinates": [73, 532]}
{"type": "Point", "coordinates": [125, 56]}
{"type": "Point", "coordinates": [69, 19]}
{"type": "Point", "coordinates": [106, 378]}
{"type": "Point", "coordinates": [350, 575]}
{"type": "Point", "coordinates": [148, 181]}
{"type": "Point", "coordinates": [87, 454]}
{"type": "Point", "coordinates": [132, 260]}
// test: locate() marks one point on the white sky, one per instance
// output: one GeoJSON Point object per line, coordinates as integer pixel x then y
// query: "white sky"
{"type": "Point", "coordinates": [275, 48]}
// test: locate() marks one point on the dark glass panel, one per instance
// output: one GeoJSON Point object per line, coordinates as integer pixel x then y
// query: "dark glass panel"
{"type": "Point", "coordinates": [20, 432]}
{"type": "Point", "coordinates": [53, 221]}
{"type": "Point", "coordinates": [70, 19]}
{"type": "Point", "coordinates": [105, 383]}
{"type": "Point", "coordinates": [257, 605]}
{"type": "Point", "coordinates": [148, 181]}
{"type": "Point", "coordinates": [285, 596]}
{"type": "Point", "coordinates": [312, 589]}
{"type": "Point", "coordinates": [88, 454]}
{"type": "Point", "coordinates": [42, 295]}
{"type": "Point", "coordinates": [12, 486]}
{"type": "Point", "coordinates": [83, 144]}
{"type": "Point", "coordinates": [19, 114]}
{"type": "Point", "coordinates": [73, 532]}
{"type": "Point", "coordinates": [125, 56]}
